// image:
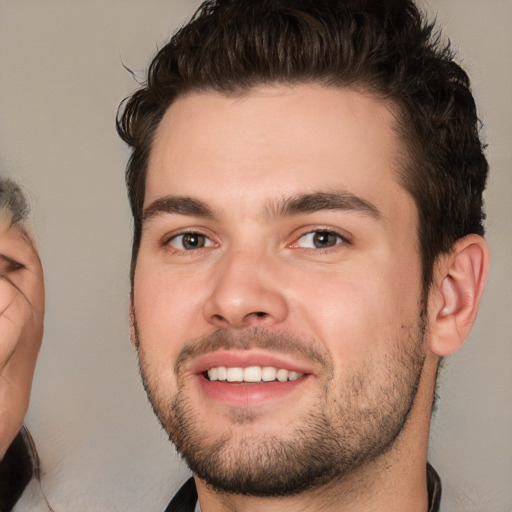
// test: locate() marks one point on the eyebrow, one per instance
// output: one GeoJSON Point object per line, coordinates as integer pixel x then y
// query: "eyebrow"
{"type": "Point", "coordinates": [318, 201]}
{"type": "Point", "coordinates": [287, 207]}
{"type": "Point", "coordinates": [181, 205]}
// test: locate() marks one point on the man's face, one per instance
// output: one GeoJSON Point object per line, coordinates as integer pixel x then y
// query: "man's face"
{"type": "Point", "coordinates": [278, 249]}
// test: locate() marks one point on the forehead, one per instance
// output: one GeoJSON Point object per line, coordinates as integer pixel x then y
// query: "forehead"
{"type": "Point", "coordinates": [275, 140]}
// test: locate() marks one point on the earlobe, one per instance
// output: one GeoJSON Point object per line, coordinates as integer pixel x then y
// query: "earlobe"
{"type": "Point", "coordinates": [459, 281]}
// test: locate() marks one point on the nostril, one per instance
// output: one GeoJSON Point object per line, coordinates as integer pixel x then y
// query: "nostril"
{"type": "Point", "coordinates": [260, 314]}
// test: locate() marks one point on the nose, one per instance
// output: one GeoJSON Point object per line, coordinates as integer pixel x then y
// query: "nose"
{"type": "Point", "coordinates": [246, 293]}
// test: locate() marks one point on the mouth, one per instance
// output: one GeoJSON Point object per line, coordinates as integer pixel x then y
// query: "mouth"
{"type": "Point", "coordinates": [249, 379]}
{"type": "Point", "coordinates": [251, 374]}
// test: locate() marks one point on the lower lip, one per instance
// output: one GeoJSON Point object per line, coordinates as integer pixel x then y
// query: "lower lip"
{"type": "Point", "coordinates": [244, 395]}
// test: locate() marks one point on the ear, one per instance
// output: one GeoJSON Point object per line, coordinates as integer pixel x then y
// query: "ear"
{"type": "Point", "coordinates": [454, 298]}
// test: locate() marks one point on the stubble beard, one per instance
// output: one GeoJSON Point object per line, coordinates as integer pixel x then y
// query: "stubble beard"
{"type": "Point", "coordinates": [352, 424]}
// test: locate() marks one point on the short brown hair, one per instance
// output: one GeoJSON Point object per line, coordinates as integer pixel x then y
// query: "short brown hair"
{"type": "Point", "coordinates": [385, 48]}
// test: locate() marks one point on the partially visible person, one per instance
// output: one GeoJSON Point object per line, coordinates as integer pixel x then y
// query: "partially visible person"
{"type": "Point", "coordinates": [21, 331]}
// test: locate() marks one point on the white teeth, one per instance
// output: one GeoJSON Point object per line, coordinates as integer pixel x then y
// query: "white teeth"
{"type": "Point", "coordinates": [282, 375]}
{"type": "Point", "coordinates": [294, 375]}
{"type": "Point", "coordinates": [252, 374]}
{"type": "Point", "coordinates": [235, 374]}
{"type": "Point", "coordinates": [268, 373]}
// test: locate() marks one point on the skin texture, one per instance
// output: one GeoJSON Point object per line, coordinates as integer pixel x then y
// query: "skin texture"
{"type": "Point", "coordinates": [21, 325]}
{"type": "Point", "coordinates": [347, 313]}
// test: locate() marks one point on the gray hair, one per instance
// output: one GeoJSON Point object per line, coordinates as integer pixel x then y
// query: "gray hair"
{"type": "Point", "coordinates": [12, 201]}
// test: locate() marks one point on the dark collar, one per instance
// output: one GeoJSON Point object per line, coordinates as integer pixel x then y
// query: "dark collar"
{"type": "Point", "coordinates": [16, 470]}
{"type": "Point", "coordinates": [434, 489]}
{"type": "Point", "coordinates": [186, 498]}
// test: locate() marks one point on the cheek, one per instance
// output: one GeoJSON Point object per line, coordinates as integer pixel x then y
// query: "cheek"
{"type": "Point", "coordinates": [167, 308]}
{"type": "Point", "coordinates": [358, 314]}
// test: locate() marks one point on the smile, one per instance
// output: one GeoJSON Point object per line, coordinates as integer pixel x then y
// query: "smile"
{"type": "Point", "coordinates": [249, 379]}
{"type": "Point", "coordinates": [252, 374]}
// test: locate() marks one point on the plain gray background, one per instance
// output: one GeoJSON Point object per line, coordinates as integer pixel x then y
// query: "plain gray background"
{"type": "Point", "coordinates": [61, 79]}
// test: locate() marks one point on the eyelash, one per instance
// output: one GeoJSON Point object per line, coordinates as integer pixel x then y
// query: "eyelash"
{"type": "Point", "coordinates": [206, 242]}
{"type": "Point", "coordinates": [9, 265]}
{"type": "Point", "coordinates": [196, 234]}
{"type": "Point", "coordinates": [340, 240]}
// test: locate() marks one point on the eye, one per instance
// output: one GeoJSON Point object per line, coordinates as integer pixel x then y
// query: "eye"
{"type": "Point", "coordinates": [8, 265]}
{"type": "Point", "coordinates": [319, 240]}
{"type": "Point", "coordinates": [190, 241]}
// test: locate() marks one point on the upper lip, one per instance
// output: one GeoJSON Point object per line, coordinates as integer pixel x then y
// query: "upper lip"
{"type": "Point", "coordinates": [246, 358]}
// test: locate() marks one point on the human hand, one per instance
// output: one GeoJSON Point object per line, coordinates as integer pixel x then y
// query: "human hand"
{"type": "Point", "coordinates": [21, 324]}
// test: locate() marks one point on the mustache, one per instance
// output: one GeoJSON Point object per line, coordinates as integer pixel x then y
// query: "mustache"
{"type": "Point", "coordinates": [253, 338]}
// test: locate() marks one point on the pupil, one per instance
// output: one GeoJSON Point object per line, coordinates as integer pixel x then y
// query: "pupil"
{"type": "Point", "coordinates": [193, 241]}
{"type": "Point", "coordinates": [324, 239]}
